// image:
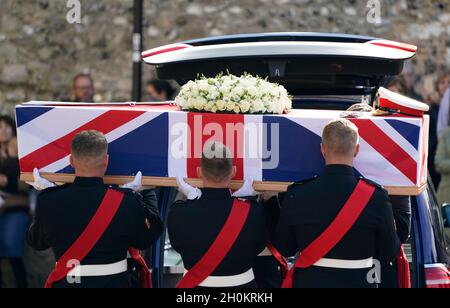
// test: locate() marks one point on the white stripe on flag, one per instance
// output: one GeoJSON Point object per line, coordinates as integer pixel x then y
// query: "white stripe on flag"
{"type": "Point", "coordinates": [316, 126]}
{"type": "Point", "coordinates": [178, 144]}
{"type": "Point", "coordinates": [398, 138]}
{"type": "Point", "coordinates": [253, 143]}
{"type": "Point", "coordinates": [375, 167]}
{"type": "Point", "coordinates": [110, 137]}
{"type": "Point", "coordinates": [41, 131]}
{"type": "Point", "coordinates": [57, 165]}
{"type": "Point", "coordinates": [132, 125]}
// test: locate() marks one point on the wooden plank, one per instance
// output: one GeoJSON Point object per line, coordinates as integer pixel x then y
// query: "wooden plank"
{"type": "Point", "coordinates": [171, 182]}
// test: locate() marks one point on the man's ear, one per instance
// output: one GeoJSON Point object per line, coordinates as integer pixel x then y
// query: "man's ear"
{"type": "Point", "coordinates": [233, 172]}
{"type": "Point", "coordinates": [71, 162]}
{"type": "Point", "coordinates": [357, 149]}
{"type": "Point", "coordinates": [106, 160]}
{"type": "Point", "coordinates": [322, 149]}
{"type": "Point", "coordinates": [199, 173]}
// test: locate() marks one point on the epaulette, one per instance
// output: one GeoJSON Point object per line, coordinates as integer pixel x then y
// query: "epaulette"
{"type": "Point", "coordinates": [126, 191]}
{"type": "Point", "coordinates": [54, 188]}
{"type": "Point", "coordinates": [373, 183]}
{"type": "Point", "coordinates": [182, 203]}
{"type": "Point", "coordinates": [302, 182]}
{"type": "Point", "coordinates": [248, 198]}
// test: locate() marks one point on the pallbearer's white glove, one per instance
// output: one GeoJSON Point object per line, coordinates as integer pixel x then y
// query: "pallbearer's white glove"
{"type": "Point", "coordinates": [136, 184]}
{"type": "Point", "coordinates": [189, 191]}
{"type": "Point", "coordinates": [246, 190]}
{"type": "Point", "coordinates": [39, 182]}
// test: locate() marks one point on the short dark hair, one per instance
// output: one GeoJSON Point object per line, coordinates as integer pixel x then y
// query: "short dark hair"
{"type": "Point", "coordinates": [217, 162]}
{"type": "Point", "coordinates": [162, 86]}
{"type": "Point", "coordinates": [78, 76]}
{"type": "Point", "coordinates": [89, 144]}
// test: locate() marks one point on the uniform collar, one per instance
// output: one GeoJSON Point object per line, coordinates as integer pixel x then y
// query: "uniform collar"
{"type": "Point", "coordinates": [216, 193]}
{"type": "Point", "coordinates": [339, 170]}
{"type": "Point", "coordinates": [83, 181]}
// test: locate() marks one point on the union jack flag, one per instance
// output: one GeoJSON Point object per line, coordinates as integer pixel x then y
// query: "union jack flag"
{"type": "Point", "coordinates": [272, 148]}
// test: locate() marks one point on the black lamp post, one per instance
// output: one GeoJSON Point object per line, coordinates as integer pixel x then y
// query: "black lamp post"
{"type": "Point", "coordinates": [137, 49]}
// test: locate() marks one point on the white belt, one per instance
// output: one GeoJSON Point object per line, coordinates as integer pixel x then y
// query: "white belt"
{"type": "Point", "coordinates": [345, 264]}
{"type": "Point", "coordinates": [265, 253]}
{"type": "Point", "coordinates": [99, 269]}
{"type": "Point", "coordinates": [227, 281]}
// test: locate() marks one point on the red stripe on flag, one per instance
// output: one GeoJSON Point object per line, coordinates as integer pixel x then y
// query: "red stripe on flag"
{"type": "Point", "coordinates": [390, 150]}
{"type": "Point", "coordinates": [225, 128]}
{"type": "Point", "coordinates": [60, 148]}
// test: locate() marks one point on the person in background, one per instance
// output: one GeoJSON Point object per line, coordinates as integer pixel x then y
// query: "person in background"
{"type": "Point", "coordinates": [14, 205]}
{"type": "Point", "coordinates": [443, 83]}
{"type": "Point", "coordinates": [444, 106]}
{"type": "Point", "coordinates": [442, 164]}
{"type": "Point", "coordinates": [83, 90]}
{"type": "Point", "coordinates": [398, 85]}
{"type": "Point", "coordinates": [159, 90]}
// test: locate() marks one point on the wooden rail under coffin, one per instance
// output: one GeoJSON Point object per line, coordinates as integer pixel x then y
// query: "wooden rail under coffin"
{"type": "Point", "coordinates": [171, 182]}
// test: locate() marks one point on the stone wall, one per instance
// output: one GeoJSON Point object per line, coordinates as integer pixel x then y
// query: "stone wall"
{"type": "Point", "coordinates": [40, 51]}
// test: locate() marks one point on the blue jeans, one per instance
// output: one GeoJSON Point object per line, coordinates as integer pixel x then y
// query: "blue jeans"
{"type": "Point", "coordinates": [13, 232]}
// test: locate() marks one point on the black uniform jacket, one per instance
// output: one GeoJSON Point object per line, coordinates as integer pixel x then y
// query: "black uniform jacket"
{"type": "Point", "coordinates": [309, 208]}
{"type": "Point", "coordinates": [63, 213]}
{"type": "Point", "coordinates": [194, 225]}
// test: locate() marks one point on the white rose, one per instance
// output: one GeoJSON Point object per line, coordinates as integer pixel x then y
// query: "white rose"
{"type": "Point", "coordinates": [225, 91]}
{"type": "Point", "coordinates": [237, 109]}
{"type": "Point", "coordinates": [279, 109]}
{"type": "Point", "coordinates": [221, 106]}
{"type": "Point", "coordinates": [274, 92]}
{"type": "Point", "coordinates": [213, 94]}
{"type": "Point", "coordinates": [181, 102]}
{"type": "Point", "coordinates": [203, 85]}
{"type": "Point", "coordinates": [245, 106]}
{"type": "Point", "coordinates": [194, 91]}
{"type": "Point", "coordinates": [207, 106]}
{"type": "Point", "coordinates": [269, 107]}
{"type": "Point", "coordinates": [237, 91]}
{"type": "Point", "coordinates": [188, 104]}
{"type": "Point", "coordinates": [258, 106]}
{"type": "Point", "coordinates": [252, 91]}
{"type": "Point", "coordinates": [230, 106]}
{"type": "Point", "coordinates": [199, 103]}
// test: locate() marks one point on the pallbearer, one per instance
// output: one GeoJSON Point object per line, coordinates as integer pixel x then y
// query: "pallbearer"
{"type": "Point", "coordinates": [337, 222]}
{"type": "Point", "coordinates": [218, 236]}
{"type": "Point", "coordinates": [91, 226]}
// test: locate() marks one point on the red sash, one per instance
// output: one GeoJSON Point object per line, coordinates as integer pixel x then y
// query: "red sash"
{"type": "Point", "coordinates": [335, 231]}
{"type": "Point", "coordinates": [145, 276]}
{"type": "Point", "coordinates": [220, 247]}
{"type": "Point", "coordinates": [280, 259]}
{"type": "Point", "coordinates": [404, 275]}
{"type": "Point", "coordinates": [90, 236]}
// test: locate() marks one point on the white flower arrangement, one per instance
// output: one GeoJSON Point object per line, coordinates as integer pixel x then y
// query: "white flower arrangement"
{"type": "Point", "coordinates": [232, 94]}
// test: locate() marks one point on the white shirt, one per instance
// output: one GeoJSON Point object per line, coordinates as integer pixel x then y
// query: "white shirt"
{"type": "Point", "coordinates": [444, 112]}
